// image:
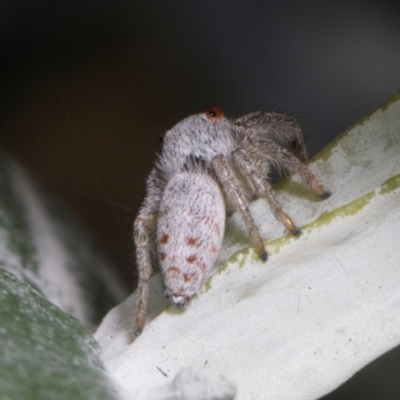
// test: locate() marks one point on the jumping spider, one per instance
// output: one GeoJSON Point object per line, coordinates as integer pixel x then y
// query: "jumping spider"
{"type": "Point", "coordinates": [210, 166]}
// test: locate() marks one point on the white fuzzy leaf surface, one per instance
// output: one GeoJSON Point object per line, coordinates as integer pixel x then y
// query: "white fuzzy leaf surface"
{"type": "Point", "coordinates": [321, 308]}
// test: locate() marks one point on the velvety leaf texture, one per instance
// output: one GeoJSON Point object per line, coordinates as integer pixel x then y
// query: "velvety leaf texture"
{"type": "Point", "coordinates": [44, 352]}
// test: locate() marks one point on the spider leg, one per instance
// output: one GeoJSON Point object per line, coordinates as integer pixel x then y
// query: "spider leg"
{"type": "Point", "coordinates": [285, 159]}
{"type": "Point", "coordinates": [233, 191]}
{"type": "Point", "coordinates": [143, 228]}
{"type": "Point", "coordinates": [263, 188]}
{"type": "Point", "coordinates": [281, 128]}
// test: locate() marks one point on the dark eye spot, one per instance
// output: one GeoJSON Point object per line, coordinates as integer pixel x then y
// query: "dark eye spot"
{"type": "Point", "coordinates": [214, 113]}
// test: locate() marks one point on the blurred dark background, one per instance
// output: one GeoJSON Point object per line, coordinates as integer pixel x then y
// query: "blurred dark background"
{"type": "Point", "coordinates": [87, 87]}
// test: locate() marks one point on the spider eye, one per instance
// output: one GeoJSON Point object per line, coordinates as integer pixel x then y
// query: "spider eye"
{"type": "Point", "coordinates": [214, 113]}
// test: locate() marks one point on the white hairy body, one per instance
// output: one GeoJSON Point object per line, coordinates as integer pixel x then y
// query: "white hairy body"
{"type": "Point", "coordinates": [218, 162]}
{"type": "Point", "coordinates": [190, 228]}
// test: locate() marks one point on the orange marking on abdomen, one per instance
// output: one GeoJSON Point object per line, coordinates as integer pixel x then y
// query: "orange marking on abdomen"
{"type": "Point", "coordinates": [191, 259]}
{"type": "Point", "coordinates": [202, 267]}
{"type": "Point", "coordinates": [192, 241]}
{"type": "Point", "coordinates": [164, 238]}
{"type": "Point", "coordinates": [189, 277]}
{"type": "Point", "coordinates": [173, 270]}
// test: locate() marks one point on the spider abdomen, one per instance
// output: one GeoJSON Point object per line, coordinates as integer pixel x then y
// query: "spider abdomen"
{"type": "Point", "coordinates": [190, 229]}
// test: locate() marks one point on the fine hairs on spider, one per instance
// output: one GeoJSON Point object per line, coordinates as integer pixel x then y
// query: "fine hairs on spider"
{"type": "Point", "coordinates": [209, 167]}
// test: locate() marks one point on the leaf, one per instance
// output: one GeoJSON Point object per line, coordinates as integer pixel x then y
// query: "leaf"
{"type": "Point", "coordinates": [322, 307]}
{"type": "Point", "coordinates": [41, 243]}
{"type": "Point", "coordinates": [45, 353]}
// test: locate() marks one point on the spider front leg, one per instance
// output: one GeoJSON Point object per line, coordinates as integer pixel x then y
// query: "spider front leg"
{"type": "Point", "coordinates": [284, 159]}
{"type": "Point", "coordinates": [264, 189]}
{"type": "Point", "coordinates": [143, 228]}
{"type": "Point", "coordinates": [281, 128]}
{"type": "Point", "coordinates": [233, 191]}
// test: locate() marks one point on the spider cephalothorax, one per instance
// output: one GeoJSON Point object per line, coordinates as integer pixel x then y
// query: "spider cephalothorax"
{"type": "Point", "coordinates": [210, 166]}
